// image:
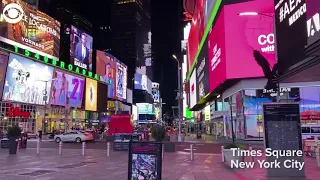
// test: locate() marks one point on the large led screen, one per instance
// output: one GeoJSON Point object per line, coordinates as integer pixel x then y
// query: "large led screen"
{"type": "Point", "coordinates": [67, 89]}
{"type": "Point", "coordinates": [121, 81]}
{"type": "Point", "coordinates": [81, 48]}
{"type": "Point", "coordinates": [193, 89]}
{"type": "Point", "coordinates": [28, 28]}
{"type": "Point", "coordinates": [290, 16]}
{"type": "Point", "coordinates": [196, 31]}
{"type": "Point", "coordinates": [313, 23]}
{"type": "Point", "coordinates": [156, 92]}
{"type": "Point", "coordinates": [91, 95]}
{"type": "Point", "coordinates": [202, 73]}
{"type": "Point", "coordinates": [234, 37]}
{"type": "Point", "coordinates": [106, 67]}
{"type": "Point", "coordinates": [26, 80]}
{"type": "Point", "coordinates": [140, 81]}
{"type": "Point", "coordinates": [4, 58]}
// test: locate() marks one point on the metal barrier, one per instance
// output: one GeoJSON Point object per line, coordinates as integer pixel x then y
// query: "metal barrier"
{"type": "Point", "coordinates": [38, 146]}
{"type": "Point", "coordinates": [108, 149]}
{"type": "Point", "coordinates": [251, 157]}
{"type": "Point", "coordinates": [222, 155]}
{"type": "Point", "coordinates": [162, 150]}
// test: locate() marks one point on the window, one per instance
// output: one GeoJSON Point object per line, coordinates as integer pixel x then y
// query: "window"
{"type": "Point", "coordinates": [315, 129]}
{"type": "Point", "coordinates": [305, 129]}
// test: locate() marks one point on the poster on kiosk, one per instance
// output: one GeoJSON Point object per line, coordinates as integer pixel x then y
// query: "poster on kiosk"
{"type": "Point", "coordinates": [145, 160]}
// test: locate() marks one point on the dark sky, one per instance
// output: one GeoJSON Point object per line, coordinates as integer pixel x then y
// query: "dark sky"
{"type": "Point", "coordinates": [167, 32]}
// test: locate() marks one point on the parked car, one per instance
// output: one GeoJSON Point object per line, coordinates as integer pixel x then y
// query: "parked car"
{"type": "Point", "coordinates": [74, 136]}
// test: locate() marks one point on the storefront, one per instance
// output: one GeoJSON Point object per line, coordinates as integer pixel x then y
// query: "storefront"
{"type": "Point", "coordinates": [78, 119]}
{"type": "Point", "coordinates": [247, 98]}
{"type": "Point", "coordinates": [23, 115]}
{"type": "Point", "coordinates": [92, 120]}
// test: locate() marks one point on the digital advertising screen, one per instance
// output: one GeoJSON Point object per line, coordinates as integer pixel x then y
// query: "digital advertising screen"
{"type": "Point", "coordinates": [24, 83]}
{"type": "Point", "coordinates": [289, 25]}
{"type": "Point", "coordinates": [121, 81]}
{"type": "Point", "coordinates": [81, 48]}
{"type": "Point", "coordinates": [4, 58]}
{"type": "Point", "coordinates": [202, 73]}
{"type": "Point", "coordinates": [196, 31]}
{"type": "Point", "coordinates": [156, 92]}
{"type": "Point", "coordinates": [193, 88]}
{"type": "Point", "coordinates": [28, 28]}
{"type": "Point", "coordinates": [140, 82]}
{"type": "Point", "coordinates": [106, 67]}
{"type": "Point", "coordinates": [208, 8]}
{"type": "Point", "coordinates": [67, 89]}
{"type": "Point", "coordinates": [91, 95]}
{"type": "Point", "coordinates": [230, 50]}
{"type": "Point", "coordinates": [313, 20]}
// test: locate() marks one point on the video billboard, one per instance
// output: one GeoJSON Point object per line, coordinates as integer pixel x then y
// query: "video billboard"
{"type": "Point", "coordinates": [28, 28]}
{"type": "Point", "coordinates": [196, 31]}
{"type": "Point", "coordinates": [140, 82]}
{"type": "Point", "coordinates": [290, 17]}
{"type": "Point", "coordinates": [156, 92]}
{"type": "Point", "coordinates": [25, 80]}
{"type": "Point", "coordinates": [313, 20]}
{"type": "Point", "coordinates": [67, 89]}
{"type": "Point", "coordinates": [202, 73]}
{"type": "Point", "coordinates": [80, 48]}
{"type": "Point", "coordinates": [193, 88]}
{"type": "Point", "coordinates": [121, 81]}
{"type": "Point", "coordinates": [4, 58]}
{"type": "Point", "coordinates": [91, 95]}
{"type": "Point", "coordinates": [230, 50]}
{"type": "Point", "coordinates": [106, 67]}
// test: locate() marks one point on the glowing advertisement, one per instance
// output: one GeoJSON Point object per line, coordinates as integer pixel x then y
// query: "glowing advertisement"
{"type": "Point", "coordinates": [121, 81]}
{"type": "Point", "coordinates": [28, 28]}
{"type": "Point", "coordinates": [313, 23]}
{"type": "Point", "coordinates": [91, 95]}
{"type": "Point", "coordinates": [202, 73]}
{"type": "Point", "coordinates": [67, 89]}
{"type": "Point", "coordinates": [140, 82]}
{"type": "Point", "coordinates": [193, 89]}
{"type": "Point", "coordinates": [134, 112]}
{"type": "Point", "coordinates": [156, 92]}
{"type": "Point", "coordinates": [81, 48]}
{"type": "Point", "coordinates": [23, 83]}
{"type": "Point", "coordinates": [106, 67]}
{"type": "Point", "coordinates": [208, 8]}
{"type": "Point", "coordinates": [230, 50]}
{"type": "Point", "coordinates": [4, 58]}
{"type": "Point", "coordinates": [196, 31]}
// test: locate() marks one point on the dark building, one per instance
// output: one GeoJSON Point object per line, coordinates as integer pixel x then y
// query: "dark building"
{"type": "Point", "coordinates": [131, 40]}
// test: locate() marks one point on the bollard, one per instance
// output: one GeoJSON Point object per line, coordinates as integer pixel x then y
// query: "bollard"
{"type": "Point", "coordinates": [251, 157]}
{"type": "Point", "coordinates": [60, 147]}
{"type": "Point", "coordinates": [18, 146]}
{"type": "Point", "coordinates": [222, 148]}
{"type": "Point", "coordinates": [108, 149]}
{"type": "Point", "coordinates": [83, 147]}
{"type": "Point", "coordinates": [191, 152]}
{"type": "Point", "coordinates": [162, 150]}
{"type": "Point", "coordinates": [38, 146]}
{"type": "Point", "coordinates": [318, 154]}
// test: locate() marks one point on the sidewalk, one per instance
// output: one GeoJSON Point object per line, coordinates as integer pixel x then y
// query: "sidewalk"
{"type": "Point", "coordinates": [96, 165]}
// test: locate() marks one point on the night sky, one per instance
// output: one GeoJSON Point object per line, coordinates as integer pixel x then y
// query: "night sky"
{"type": "Point", "coordinates": [167, 32]}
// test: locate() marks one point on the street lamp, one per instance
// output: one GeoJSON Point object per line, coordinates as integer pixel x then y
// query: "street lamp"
{"type": "Point", "coordinates": [179, 95]}
{"type": "Point", "coordinates": [45, 98]}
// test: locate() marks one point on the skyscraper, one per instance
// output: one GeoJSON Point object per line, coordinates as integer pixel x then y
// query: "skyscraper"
{"type": "Point", "coordinates": [131, 35]}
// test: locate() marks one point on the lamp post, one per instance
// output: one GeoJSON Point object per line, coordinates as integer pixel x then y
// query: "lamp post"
{"type": "Point", "coordinates": [275, 37]}
{"type": "Point", "coordinates": [45, 98]}
{"type": "Point", "coordinates": [179, 96]}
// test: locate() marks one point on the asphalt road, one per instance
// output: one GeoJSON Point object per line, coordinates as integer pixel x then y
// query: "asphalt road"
{"type": "Point", "coordinates": [212, 148]}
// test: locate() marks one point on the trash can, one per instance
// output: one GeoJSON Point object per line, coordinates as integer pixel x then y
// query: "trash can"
{"type": "Point", "coordinates": [23, 141]}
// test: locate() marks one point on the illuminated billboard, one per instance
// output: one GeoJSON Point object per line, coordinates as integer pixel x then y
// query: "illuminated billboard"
{"type": "Point", "coordinates": [121, 81]}
{"type": "Point", "coordinates": [81, 48]}
{"type": "Point", "coordinates": [91, 95]}
{"type": "Point", "coordinates": [23, 81]}
{"type": "Point", "coordinates": [28, 28]}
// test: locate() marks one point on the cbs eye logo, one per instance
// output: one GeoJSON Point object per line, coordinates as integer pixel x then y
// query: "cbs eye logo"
{"type": "Point", "coordinates": [13, 13]}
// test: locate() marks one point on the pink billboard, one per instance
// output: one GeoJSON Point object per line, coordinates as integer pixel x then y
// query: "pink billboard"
{"type": "Point", "coordinates": [238, 35]}
{"type": "Point", "coordinates": [196, 31]}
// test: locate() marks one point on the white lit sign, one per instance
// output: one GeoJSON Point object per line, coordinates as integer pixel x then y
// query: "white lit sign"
{"type": "Point", "coordinates": [13, 13]}
{"type": "Point", "coordinates": [216, 57]}
{"type": "Point", "coordinates": [313, 25]}
{"type": "Point", "coordinates": [267, 41]}
{"type": "Point", "coordinates": [292, 10]}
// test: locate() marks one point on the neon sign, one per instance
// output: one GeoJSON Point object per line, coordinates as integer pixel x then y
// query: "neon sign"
{"type": "Point", "coordinates": [51, 61]}
{"type": "Point", "coordinates": [16, 112]}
